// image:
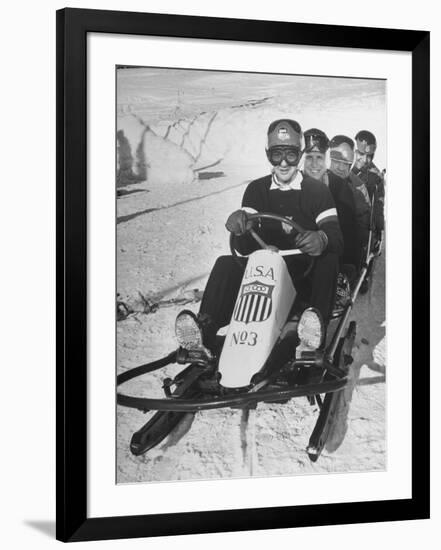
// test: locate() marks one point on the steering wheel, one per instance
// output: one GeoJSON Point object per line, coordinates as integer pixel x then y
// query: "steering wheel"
{"type": "Point", "coordinates": [264, 215]}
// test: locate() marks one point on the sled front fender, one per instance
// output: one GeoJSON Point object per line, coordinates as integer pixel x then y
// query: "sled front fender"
{"type": "Point", "coordinates": [245, 399]}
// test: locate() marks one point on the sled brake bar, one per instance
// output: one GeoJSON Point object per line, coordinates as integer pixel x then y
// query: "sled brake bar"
{"type": "Point", "coordinates": [187, 405]}
{"type": "Point", "coordinates": [144, 369]}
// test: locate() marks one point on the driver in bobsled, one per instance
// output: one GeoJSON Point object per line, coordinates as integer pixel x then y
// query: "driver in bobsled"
{"type": "Point", "coordinates": [286, 192]}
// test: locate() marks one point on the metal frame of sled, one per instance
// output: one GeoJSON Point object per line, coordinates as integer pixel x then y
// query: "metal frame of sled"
{"type": "Point", "coordinates": [333, 362]}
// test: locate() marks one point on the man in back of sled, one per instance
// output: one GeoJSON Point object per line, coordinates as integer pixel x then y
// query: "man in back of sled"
{"type": "Point", "coordinates": [371, 177]}
{"type": "Point", "coordinates": [285, 192]}
{"type": "Point", "coordinates": [352, 209]}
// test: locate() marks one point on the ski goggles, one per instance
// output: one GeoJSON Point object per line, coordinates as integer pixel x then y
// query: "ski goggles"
{"type": "Point", "coordinates": [291, 155]}
{"type": "Point", "coordinates": [318, 142]}
{"type": "Point", "coordinates": [342, 154]}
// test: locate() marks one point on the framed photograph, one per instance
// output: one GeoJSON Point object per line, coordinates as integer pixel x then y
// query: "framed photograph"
{"type": "Point", "coordinates": [242, 275]}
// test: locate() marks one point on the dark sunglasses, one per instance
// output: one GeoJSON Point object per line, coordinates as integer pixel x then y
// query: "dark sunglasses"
{"type": "Point", "coordinates": [290, 155]}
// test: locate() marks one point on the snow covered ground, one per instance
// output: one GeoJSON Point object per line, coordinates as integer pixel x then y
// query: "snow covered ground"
{"type": "Point", "coordinates": [189, 142]}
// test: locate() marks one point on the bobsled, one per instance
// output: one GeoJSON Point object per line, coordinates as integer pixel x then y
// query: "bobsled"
{"type": "Point", "coordinates": [272, 351]}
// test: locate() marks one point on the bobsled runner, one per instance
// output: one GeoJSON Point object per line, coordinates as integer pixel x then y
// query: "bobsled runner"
{"type": "Point", "coordinates": [270, 353]}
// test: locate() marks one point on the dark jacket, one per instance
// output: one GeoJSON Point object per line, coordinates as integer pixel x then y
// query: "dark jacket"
{"type": "Point", "coordinates": [343, 196]}
{"type": "Point", "coordinates": [312, 207]}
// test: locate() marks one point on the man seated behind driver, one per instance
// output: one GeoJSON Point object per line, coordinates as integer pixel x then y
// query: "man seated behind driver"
{"type": "Point", "coordinates": [288, 193]}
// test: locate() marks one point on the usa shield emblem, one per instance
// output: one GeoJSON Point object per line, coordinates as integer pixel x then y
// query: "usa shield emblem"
{"type": "Point", "coordinates": [254, 303]}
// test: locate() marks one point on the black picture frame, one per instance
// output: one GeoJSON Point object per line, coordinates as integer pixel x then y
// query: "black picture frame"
{"type": "Point", "coordinates": [73, 25]}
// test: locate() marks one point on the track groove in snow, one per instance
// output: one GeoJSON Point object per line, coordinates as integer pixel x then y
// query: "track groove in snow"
{"type": "Point", "coordinates": [129, 217]}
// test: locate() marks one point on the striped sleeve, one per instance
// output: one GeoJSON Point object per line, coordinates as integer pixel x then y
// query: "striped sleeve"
{"type": "Point", "coordinates": [321, 203]}
{"type": "Point", "coordinates": [330, 214]}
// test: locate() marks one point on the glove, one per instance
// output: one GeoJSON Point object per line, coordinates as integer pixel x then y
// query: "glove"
{"type": "Point", "coordinates": [312, 243]}
{"type": "Point", "coordinates": [238, 223]}
{"type": "Point", "coordinates": [375, 170]}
